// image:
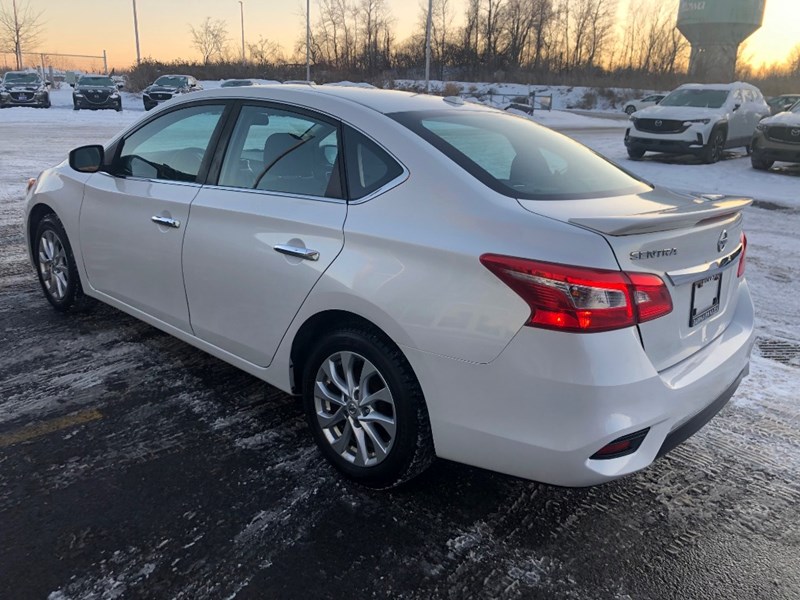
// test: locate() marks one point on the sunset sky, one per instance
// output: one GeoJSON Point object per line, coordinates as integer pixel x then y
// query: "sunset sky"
{"type": "Point", "coordinates": [90, 26]}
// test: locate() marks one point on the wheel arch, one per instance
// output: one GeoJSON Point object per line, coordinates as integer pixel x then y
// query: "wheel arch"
{"type": "Point", "coordinates": [35, 216]}
{"type": "Point", "coordinates": [314, 328]}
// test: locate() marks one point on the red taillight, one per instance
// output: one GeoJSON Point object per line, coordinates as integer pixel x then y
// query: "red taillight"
{"type": "Point", "coordinates": [569, 298]}
{"type": "Point", "coordinates": [742, 256]}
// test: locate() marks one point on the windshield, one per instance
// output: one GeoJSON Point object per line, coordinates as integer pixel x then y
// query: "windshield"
{"type": "Point", "coordinates": [698, 98]}
{"type": "Point", "coordinates": [99, 81]}
{"type": "Point", "coordinates": [171, 81]}
{"type": "Point", "coordinates": [21, 78]}
{"type": "Point", "coordinates": [795, 107]}
{"type": "Point", "coordinates": [518, 158]}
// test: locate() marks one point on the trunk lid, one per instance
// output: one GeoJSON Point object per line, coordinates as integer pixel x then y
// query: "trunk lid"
{"type": "Point", "coordinates": [691, 241]}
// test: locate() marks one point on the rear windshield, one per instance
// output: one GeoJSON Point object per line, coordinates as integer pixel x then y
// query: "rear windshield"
{"type": "Point", "coordinates": [518, 158]}
{"type": "Point", "coordinates": [698, 98]}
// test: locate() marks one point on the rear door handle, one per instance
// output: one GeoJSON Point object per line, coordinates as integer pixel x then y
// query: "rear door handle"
{"type": "Point", "coordinates": [165, 221]}
{"type": "Point", "coordinates": [305, 253]}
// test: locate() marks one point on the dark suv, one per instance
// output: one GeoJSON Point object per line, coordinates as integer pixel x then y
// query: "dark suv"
{"type": "Point", "coordinates": [96, 91]}
{"type": "Point", "coordinates": [24, 88]}
{"type": "Point", "coordinates": [777, 138]}
{"type": "Point", "coordinates": [167, 86]}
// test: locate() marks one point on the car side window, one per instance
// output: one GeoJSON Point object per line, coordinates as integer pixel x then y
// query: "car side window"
{"type": "Point", "coordinates": [172, 146]}
{"type": "Point", "coordinates": [369, 167]}
{"type": "Point", "coordinates": [276, 150]}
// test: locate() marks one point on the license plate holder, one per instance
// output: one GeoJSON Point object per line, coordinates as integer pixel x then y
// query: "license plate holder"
{"type": "Point", "coordinates": [705, 299]}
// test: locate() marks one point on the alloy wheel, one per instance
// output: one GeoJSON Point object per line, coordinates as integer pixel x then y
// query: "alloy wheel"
{"type": "Point", "coordinates": [355, 409]}
{"type": "Point", "coordinates": [53, 265]}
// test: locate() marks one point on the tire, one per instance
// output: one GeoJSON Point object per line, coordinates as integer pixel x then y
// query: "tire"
{"type": "Point", "coordinates": [759, 163]}
{"type": "Point", "coordinates": [75, 107]}
{"type": "Point", "coordinates": [748, 150]}
{"type": "Point", "coordinates": [56, 268]}
{"type": "Point", "coordinates": [381, 443]}
{"type": "Point", "coordinates": [118, 108]}
{"type": "Point", "coordinates": [629, 110]}
{"type": "Point", "coordinates": [636, 152]}
{"type": "Point", "coordinates": [712, 151]}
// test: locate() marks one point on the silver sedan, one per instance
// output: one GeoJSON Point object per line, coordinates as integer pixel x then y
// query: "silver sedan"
{"type": "Point", "coordinates": [435, 278]}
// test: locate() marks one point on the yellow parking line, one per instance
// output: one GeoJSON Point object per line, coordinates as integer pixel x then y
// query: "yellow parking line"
{"type": "Point", "coordinates": [35, 430]}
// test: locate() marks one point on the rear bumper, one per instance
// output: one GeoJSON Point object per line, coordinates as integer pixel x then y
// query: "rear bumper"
{"type": "Point", "coordinates": [551, 400]}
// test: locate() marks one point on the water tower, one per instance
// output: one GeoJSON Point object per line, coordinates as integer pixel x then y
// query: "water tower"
{"type": "Point", "coordinates": [715, 28]}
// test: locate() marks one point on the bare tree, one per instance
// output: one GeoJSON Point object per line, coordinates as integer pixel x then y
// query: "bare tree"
{"type": "Point", "coordinates": [265, 52]}
{"type": "Point", "coordinates": [210, 39]}
{"type": "Point", "coordinates": [20, 28]}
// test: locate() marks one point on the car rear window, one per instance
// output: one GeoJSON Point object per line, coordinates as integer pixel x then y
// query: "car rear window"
{"type": "Point", "coordinates": [519, 158]}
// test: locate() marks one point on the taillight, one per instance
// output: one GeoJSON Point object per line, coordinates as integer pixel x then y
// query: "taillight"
{"type": "Point", "coordinates": [580, 299]}
{"type": "Point", "coordinates": [742, 256]}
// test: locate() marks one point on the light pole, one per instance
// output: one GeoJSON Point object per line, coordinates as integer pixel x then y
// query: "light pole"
{"type": "Point", "coordinates": [136, 34]}
{"type": "Point", "coordinates": [17, 43]}
{"type": "Point", "coordinates": [428, 49]}
{"type": "Point", "coordinates": [241, 10]}
{"type": "Point", "coordinates": [308, 40]}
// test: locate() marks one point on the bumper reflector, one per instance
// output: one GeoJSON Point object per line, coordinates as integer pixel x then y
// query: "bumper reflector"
{"type": "Point", "coordinates": [622, 446]}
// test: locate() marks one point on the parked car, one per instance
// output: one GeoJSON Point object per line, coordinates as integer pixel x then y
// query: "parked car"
{"type": "Point", "coordinates": [633, 105]}
{"type": "Point", "coordinates": [24, 88]}
{"type": "Point", "coordinates": [433, 277]}
{"type": "Point", "coordinates": [701, 119]}
{"type": "Point", "coordinates": [779, 104]}
{"type": "Point", "coordinates": [777, 138]}
{"type": "Point", "coordinates": [96, 91]}
{"type": "Point", "coordinates": [166, 87]}
{"type": "Point", "coordinates": [237, 83]}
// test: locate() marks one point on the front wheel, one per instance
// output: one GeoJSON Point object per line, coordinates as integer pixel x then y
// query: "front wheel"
{"type": "Point", "coordinates": [366, 410]}
{"type": "Point", "coordinates": [759, 163]}
{"type": "Point", "coordinates": [712, 152]}
{"type": "Point", "coordinates": [635, 152]}
{"type": "Point", "coordinates": [629, 110]}
{"type": "Point", "coordinates": [56, 268]}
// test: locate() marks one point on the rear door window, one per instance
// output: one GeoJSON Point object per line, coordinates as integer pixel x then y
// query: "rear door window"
{"type": "Point", "coordinates": [278, 150]}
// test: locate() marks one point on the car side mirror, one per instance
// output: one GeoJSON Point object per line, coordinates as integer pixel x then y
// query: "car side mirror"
{"type": "Point", "coordinates": [736, 107]}
{"type": "Point", "coordinates": [72, 85]}
{"type": "Point", "coordinates": [87, 159]}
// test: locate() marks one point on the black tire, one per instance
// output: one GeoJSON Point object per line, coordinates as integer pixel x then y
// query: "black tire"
{"type": "Point", "coordinates": [118, 108]}
{"type": "Point", "coordinates": [636, 152]}
{"type": "Point", "coordinates": [73, 297]}
{"type": "Point", "coordinates": [75, 107]}
{"type": "Point", "coordinates": [411, 450]}
{"type": "Point", "coordinates": [629, 110]}
{"type": "Point", "coordinates": [748, 150]}
{"type": "Point", "coordinates": [760, 163]}
{"type": "Point", "coordinates": [712, 151]}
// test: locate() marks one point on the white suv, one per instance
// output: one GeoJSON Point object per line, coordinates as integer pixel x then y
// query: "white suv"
{"type": "Point", "coordinates": [702, 119]}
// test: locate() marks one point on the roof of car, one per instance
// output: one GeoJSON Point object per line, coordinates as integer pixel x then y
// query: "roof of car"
{"type": "Point", "coordinates": [383, 101]}
{"type": "Point", "coordinates": [719, 86]}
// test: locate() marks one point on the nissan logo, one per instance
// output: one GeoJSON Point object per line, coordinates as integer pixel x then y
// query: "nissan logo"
{"type": "Point", "coordinates": [795, 132]}
{"type": "Point", "coordinates": [722, 241]}
{"type": "Point", "coordinates": [659, 123]}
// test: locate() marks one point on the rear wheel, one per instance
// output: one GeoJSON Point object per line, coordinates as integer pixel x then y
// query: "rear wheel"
{"type": "Point", "coordinates": [56, 268]}
{"type": "Point", "coordinates": [712, 152]}
{"type": "Point", "coordinates": [366, 410]}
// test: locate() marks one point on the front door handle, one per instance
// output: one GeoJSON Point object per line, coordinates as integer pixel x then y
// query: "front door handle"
{"type": "Point", "coordinates": [165, 221]}
{"type": "Point", "coordinates": [305, 253]}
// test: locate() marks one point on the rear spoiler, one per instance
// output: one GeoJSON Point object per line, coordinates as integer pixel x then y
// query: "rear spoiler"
{"type": "Point", "coordinates": [703, 208]}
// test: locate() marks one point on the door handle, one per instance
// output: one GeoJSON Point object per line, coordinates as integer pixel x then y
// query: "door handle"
{"type": "Point", "coordinates": [305, 253]}
{"type": "Point", "coordinates": [169, 222]}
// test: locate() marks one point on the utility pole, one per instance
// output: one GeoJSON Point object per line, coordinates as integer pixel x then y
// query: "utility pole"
{"type": "Point", "coordinates": [17, 44]}
{"type": "Point", "coordinates": [308, 40]}
{"type": "Point", "coordinates": [136, 34]}
{"type": "Point", "coordinates": [428, 49]}
{"type": "Point", "coordinates": [241, 9]}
